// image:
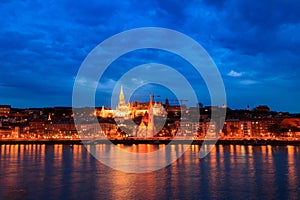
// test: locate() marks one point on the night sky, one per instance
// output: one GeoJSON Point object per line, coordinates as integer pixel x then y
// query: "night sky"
{"type": "Point", "coordinates": [255, 44]}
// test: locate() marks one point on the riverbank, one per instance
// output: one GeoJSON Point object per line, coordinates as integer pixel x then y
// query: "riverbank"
{"type": "Point", "coordinates": [254, 142]}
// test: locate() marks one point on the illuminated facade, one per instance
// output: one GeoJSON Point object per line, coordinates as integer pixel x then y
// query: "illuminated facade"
{"type": "Point", "coordinates": [147, 128]}
{"type": "Point", "coordinates": [126, 110]}
{"type": "Point", "coordinates": [4, 110]}
{"type": "Point", "coordinates": [123, 110]}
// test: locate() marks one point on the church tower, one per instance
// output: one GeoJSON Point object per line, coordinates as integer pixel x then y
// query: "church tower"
{"type": "Point", "coordinates": [151, 127]}
{"type": "Point", "coordinates": [123, 110]}
{"type": "Point", "coordinates": [121, 97]}
{"type": "Point", "coordinates": [147, 128]}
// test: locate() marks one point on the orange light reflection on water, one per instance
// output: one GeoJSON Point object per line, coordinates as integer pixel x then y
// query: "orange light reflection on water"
{"type": "Point", "coordinates": [246, 169]}
{"type": "Point", "coordinates": [292, 174]}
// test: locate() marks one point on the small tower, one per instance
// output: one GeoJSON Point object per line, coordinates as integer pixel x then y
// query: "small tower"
{"type": "Point", "coordinates": [248, 107]}
{"type": "Point", "coordinates": [121, 97]}
{"type": "Point", "coordinates": [49, 117]}
{"type": "Point", "coordinates": [167, 103]}
{"type": "Point", "coordinates": [151, 118]}
{"type": "Point", "coordinates": [102, 113]}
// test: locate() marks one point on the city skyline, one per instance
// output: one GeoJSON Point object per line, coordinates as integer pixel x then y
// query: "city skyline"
{"type": "Point", "coordinates": [150, 99]}
{"type": "Point", "coordinates": [43, 45]}
{"type": "Point", "coordinates": [173, 102]}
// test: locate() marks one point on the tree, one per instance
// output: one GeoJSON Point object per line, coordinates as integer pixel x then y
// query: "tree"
{"type": "Point", "coordinates": [233, 129]}
{"type": "Point", "coordinates": [275, 129]}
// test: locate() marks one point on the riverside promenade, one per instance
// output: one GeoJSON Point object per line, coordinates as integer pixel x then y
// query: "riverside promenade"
{"type": "Point", "coordinates": [155, 141]}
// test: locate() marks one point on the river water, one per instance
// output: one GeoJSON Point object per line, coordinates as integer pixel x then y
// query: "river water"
{"type": "Point", "coordinates": [39, 171]}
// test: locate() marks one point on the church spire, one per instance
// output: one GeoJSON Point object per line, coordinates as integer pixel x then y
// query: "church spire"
{"type": "Point", "coordinates": [150, 117]}
{"type": "Point", "coordinates": [151, 101]}
{"type": "Point", "coordinates": [121, 97]}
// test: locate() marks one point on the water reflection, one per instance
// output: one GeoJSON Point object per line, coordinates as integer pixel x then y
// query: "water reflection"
{"type": "Point", "coordinates": [292, 172]}
{"type": "Point", "coordinates": [228, 172]}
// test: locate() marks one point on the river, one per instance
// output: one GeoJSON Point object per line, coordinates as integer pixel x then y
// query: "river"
{"type": "Point", "coordinates": [39, 171]}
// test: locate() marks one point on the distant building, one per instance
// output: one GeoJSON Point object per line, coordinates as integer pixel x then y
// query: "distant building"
{"type": "Point", "coordinates": [5, 110]}
{"type": "Point", "coordinates": [261, 126]}
{"type": "Point", "coordinates": [232, 128]}
{"type": "Point", "coordinates": [60, 127]}
{"type": "Point", "coordinates": [188, 128]}
{"type": "Point", "coordinates": [5, 132]}
{"type": "Point", "coordinates": [207, 127]}
{"type": "Point", "coordinates": [37, 126]}
{"type": "Point", "coordinates": [245, 128]}
{"type": "Point", "coordinates": [97, 129]}
{"type": "Point", "coordinates": [105, 113]}
{"type": "Point", "coordinates": [262, 108]}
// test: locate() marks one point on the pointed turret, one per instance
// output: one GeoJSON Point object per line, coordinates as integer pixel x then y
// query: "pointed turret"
{"type": "Point", "coordinates": [121, 97]}
{"type": "Point", "coordinates": [49, 117]}
{"type": "Point", "coordinates": [150, 117]}
{"type": "Point", "coordinates": [151, 100]}
{"type": "Point", "coordinates": [102, 112]}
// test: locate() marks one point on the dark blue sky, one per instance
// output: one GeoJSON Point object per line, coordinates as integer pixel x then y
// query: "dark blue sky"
{"type": "Point", "coordinates": [255, 44]}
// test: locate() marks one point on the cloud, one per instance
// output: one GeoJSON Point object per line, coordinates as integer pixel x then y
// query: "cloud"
{"type": "Point", "coordinates": [106, 85]}
{"type": "Point", "coordinates": [42, 44]}
{"type": "Point", "coordinates": [234, 73]}
{"type": "Point", "coordinates": [248, 82]}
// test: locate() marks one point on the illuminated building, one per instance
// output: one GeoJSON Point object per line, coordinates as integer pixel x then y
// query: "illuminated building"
{"type": "Point", "coordinates": [147, 128]}
{"type": "Point", "coordinates": [4, 110]}
{"type": "Point", "coordinates": [126, 110]}
{"type": "Point", "coordinates": [123, 110]}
